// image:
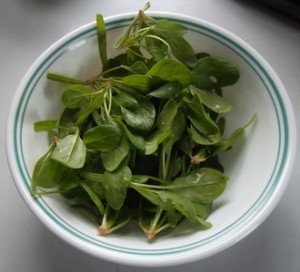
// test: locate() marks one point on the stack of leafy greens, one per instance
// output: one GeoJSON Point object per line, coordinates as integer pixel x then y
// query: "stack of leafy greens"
{"type": "Point", "coordinates": [140, 141]}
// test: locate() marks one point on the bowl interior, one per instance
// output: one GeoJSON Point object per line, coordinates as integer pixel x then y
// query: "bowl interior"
{"type": "Point", "coordinates": [257, 164]}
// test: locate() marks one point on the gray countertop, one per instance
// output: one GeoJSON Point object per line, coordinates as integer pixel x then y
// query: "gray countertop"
{"type": "Point", "coordinates": [28, 27]}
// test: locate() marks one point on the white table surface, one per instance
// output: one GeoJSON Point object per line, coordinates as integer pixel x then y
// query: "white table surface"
{"type": "Point", "coordinates": [28, 27]}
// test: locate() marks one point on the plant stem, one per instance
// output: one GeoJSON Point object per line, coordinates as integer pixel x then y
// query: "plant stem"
{"type": "Point", "coordinates": [168, 163]}
{"type": "Point", "coordinates": [161, 40]}
{"type": "Point", "coordinates": [104, 227]}
{"type": "Point", "coordinates": [153, 231]}
{"type": "Point", "coordinates": [166, 187]}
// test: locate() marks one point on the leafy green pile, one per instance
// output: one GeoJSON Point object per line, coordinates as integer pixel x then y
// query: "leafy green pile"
{"type": "Point", "coordinates": [140, 141]}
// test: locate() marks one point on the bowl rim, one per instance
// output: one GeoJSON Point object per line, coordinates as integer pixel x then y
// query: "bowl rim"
{"type": "Point", "coordinates": [257, 216]}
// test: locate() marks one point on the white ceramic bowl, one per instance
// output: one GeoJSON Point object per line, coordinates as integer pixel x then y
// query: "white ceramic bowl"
{"type": "Point", "coordinates": [259, 165]}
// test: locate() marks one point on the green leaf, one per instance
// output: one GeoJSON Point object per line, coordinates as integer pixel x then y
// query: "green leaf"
{"type": "Point", "coordinates": [92, 176]}
{"type": "Point", "coordinates": [137, 67]}
{"type": "Point", "coordinates": [96, 103]}
{"type": "Point", "coordinates": [210, 72]}
{"type": "Point", "coordinates": [203, 139]}
{"type": "Point", "coordinates": [203, 222]}
{"type": "Point", "coordinates": [184, 144]}
{"type": "Point", "coordinates": [103, 138]}
{"type": "Point", "coordinates": [47, 173]}
{"type": "Point", "coordinates": [126, 100]}
{"type": "Point", "coordinates": [167, 28]}
{"type": "Point", "coordinates": [201, 186]}
{"type": "Point", "coordinates": [174, 218]}
{"type": "Point", "coordinates": [201, 55]}
{"type": "Point", "coordinates": [137, 141]}
{"type": "Point", "coordinates": [182, 50]}
{"type": "Point", "coordinates": [176, 163]}
{"type": "Point", "coordinates": [139, 178]}
{"type": "Point", "coordinates": [143, 83]}
{"type": "Point", "coordinates": [140, 82]}
{"type": "Point", "coordinates": [201, 121]}
{"type": "Point", "coordinates": [213, 101]}
{"type": "Point", "coordinates": [203, 209]}
{"type": "Point", "coordinates": [70, 151]}
{"type": "Point", "coordinates": [69, 180]}
{"type": "Point", "coordinates": [67, 117]}
{"type": "Point", "coordinates": [119, 66]}
{"type": "Point", "coordinates": [155, 139]}
{"type": "Point", "coordinates": [45, 125]}
{"type": "Point", "coordinates": [167, 115]}
{"type": "Point", "coordinates": [151, 196]}
{"type": "Point", "coordinates": [140, 117]}
{"type": "Point", "coordinates": [111, 160]}
{"type": "Point", "coordinates": [171, 70]}
{"type": "Point", "coordinates": [114, 66]}
{"type": "Point", "coordinates": [96, 185]}
{"type": "Point", "coordinates": [115, 186]}
{"type": "Point", "coordinates": [164, 127]}
{"type": "Point", "coordinates": [227, 143]}
{"type": "Point", "coordinates": [166, 91]}
{"type": "Point", "coordinates": [178, 202]}
{"type": "Point", "coordinates": [101, 35]}
{"type": "Point", "coordinates": [169, 200]}
{"type": "Point", "coordinates": [76, 96]}
{"type": "Point", "coordinates": [156, 48]}
{"type": "Point", "coordinates": [96, 200]}
{"type": "Point", "coordinates": [65, 79]}
{"type": "Point", "coordinates": [178, 126]}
